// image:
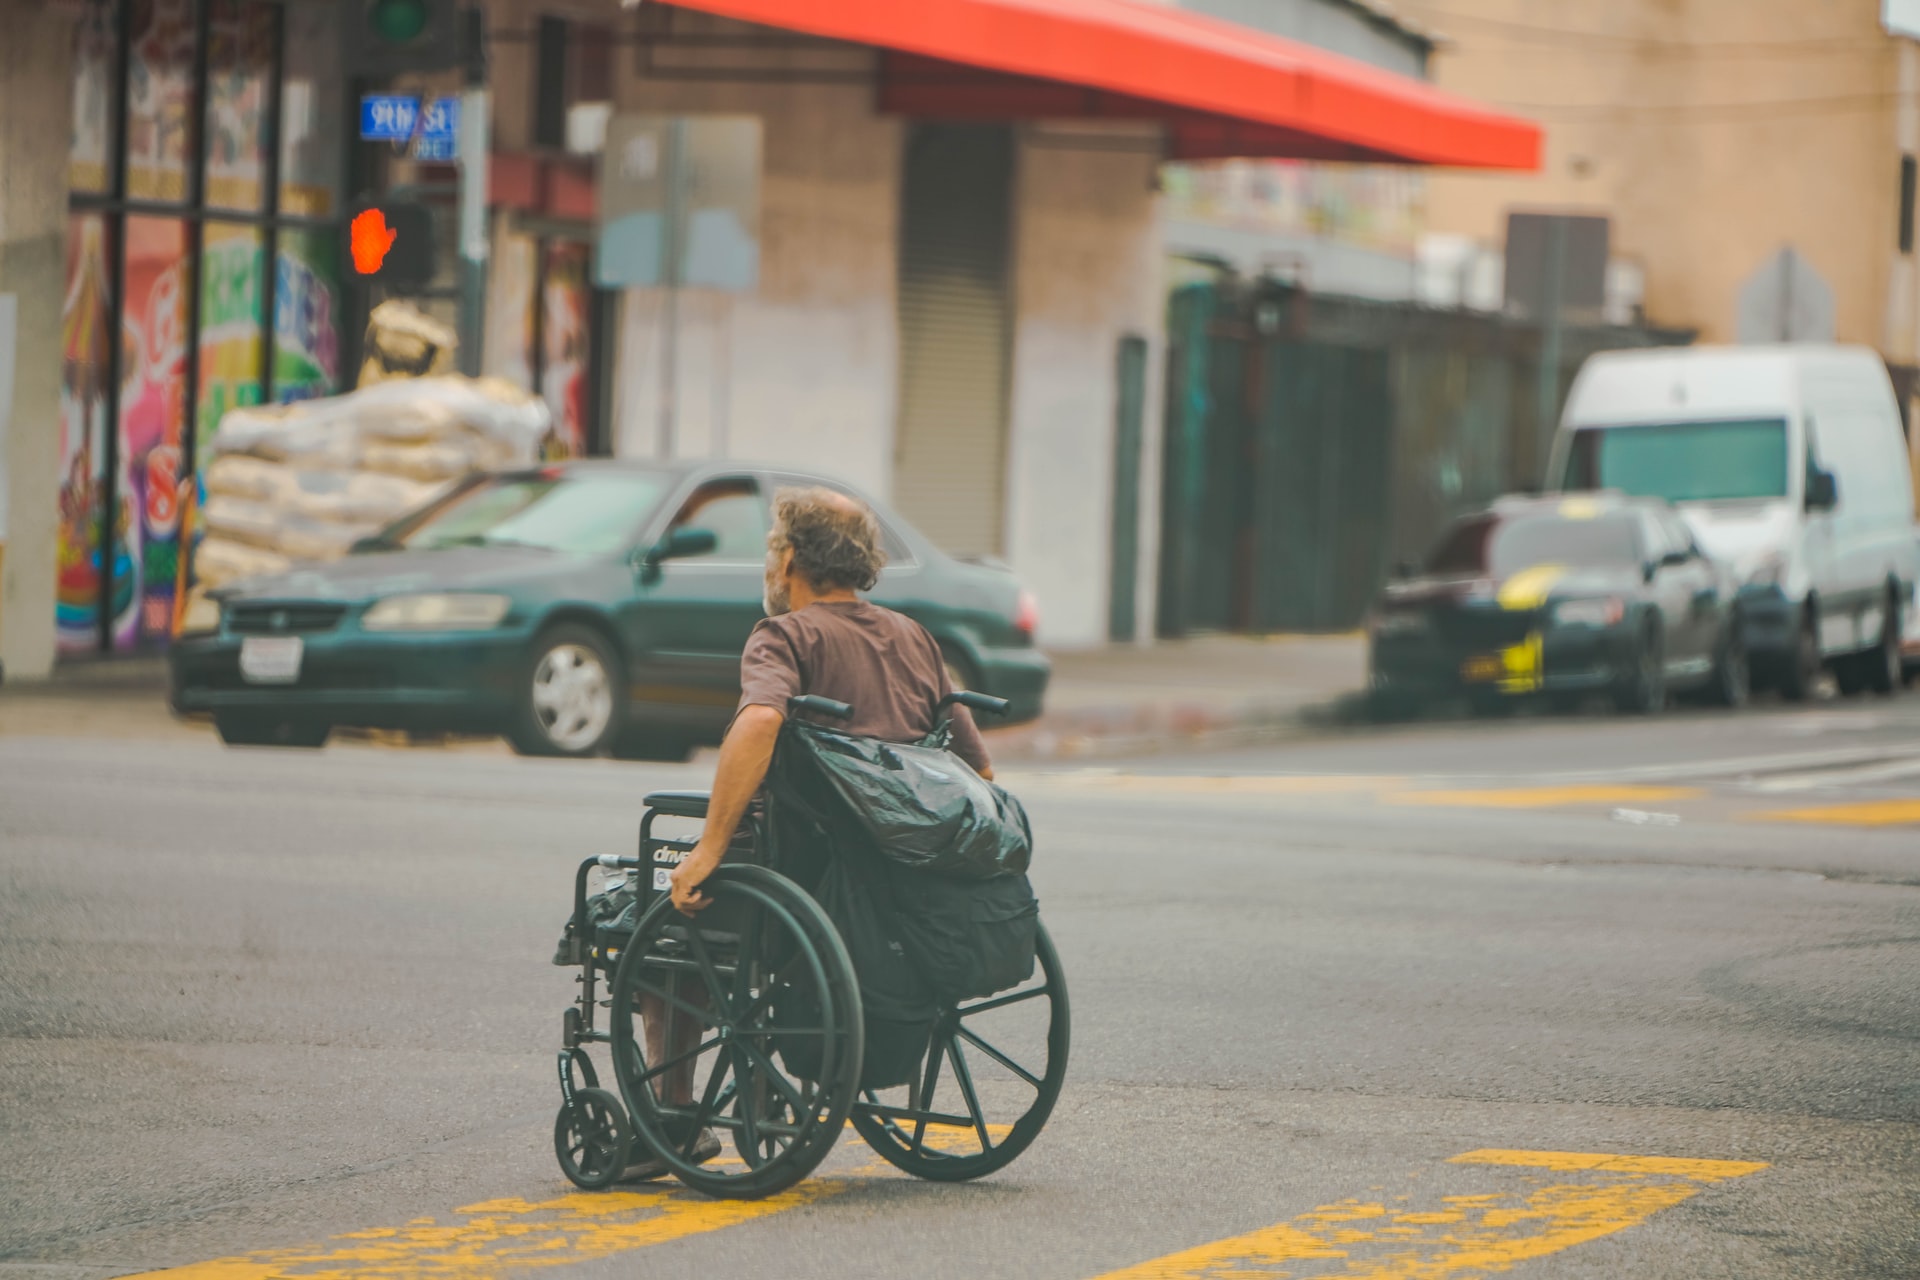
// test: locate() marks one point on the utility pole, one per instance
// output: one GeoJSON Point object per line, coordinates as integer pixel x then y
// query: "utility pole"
{"type": "Point", "coordinates": [472, 155]}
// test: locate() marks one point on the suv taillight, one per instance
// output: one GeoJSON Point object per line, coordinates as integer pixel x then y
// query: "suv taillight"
{"type": "Point", "coordinates": [1026, 615]}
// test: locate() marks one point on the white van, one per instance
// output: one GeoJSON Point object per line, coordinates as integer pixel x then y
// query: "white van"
{"type": "Point", "coordinates": [1790, 466]}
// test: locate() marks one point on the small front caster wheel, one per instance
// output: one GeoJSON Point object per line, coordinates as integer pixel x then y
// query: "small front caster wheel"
{"type": "Point", "coordinates": [592, 1138]}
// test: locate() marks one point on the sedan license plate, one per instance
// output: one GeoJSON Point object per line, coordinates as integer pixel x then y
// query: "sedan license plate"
{"type": "Point", "coordinates": [271, 659]}
{"type": "Point", "coordinates": [1481, 669]}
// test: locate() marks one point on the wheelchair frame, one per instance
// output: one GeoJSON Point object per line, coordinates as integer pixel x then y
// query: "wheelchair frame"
{"type": "Point", "coordinates": [596, 1133]}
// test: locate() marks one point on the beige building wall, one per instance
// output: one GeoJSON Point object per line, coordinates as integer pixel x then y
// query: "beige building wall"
{"type": "Point", "coordinates": [1713, 132]}
{"type": "Point", "coordinates": [1087, 273]}
{"type": "Point", "coordinates": [35, 101]}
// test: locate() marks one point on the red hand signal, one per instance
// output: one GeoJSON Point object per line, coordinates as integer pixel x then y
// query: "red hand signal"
{"type": "Point", "coordinates": [371, 239]}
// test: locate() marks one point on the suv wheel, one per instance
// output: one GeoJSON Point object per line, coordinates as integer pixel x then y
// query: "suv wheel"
{"type": "Point", "coordinates": [1882, 665]}
{"type": "Point", "coordinates": [570, 694]}
{"type": "Point", "coordinates": [1732, 680]}
{"type": "Point", "coordinates": [1803, 667]}
{"type": "Point", "coordinates": [1644, 689]}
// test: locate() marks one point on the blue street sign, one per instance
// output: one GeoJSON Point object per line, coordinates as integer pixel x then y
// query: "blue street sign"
{"type": "Point", "coordinates": [439, 131]}
{"type": "Point", "coordinates": [388, 117]}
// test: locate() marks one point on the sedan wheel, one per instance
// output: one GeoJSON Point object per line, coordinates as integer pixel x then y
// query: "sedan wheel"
{"type": "Point", "coordinates": [1644, 692]}
{"type": "Point", "coordinates": [569, 707]}
{"type": "Point", "coordinates": [1884, 674]}
{"type": "Point", "coordinates": [1732, 680]}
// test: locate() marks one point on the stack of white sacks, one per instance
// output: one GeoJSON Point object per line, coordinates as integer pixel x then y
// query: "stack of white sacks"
{"type": "Point", "coordinates": [303, 482]}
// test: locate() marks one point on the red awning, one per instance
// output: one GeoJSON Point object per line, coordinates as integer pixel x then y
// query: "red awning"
{"type": "Point", "coordinates": [1223, 90]}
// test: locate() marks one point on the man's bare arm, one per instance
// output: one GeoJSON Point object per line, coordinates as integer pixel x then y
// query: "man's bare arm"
{"type": "Point", "coordinates": [744, 758]}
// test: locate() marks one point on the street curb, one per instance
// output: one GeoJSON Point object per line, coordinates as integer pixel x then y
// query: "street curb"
{"type": "Point", "coordinates": [1134, 731]}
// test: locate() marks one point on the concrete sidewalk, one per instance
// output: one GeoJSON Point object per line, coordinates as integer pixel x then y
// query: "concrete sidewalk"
{"type": "Point", "coordinates": [1213, 690]}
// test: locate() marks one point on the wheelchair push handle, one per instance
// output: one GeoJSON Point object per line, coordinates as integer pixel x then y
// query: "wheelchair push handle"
{"type": "Point", "coordinates": [820, 706]}
{"type": "Point", "coordinates": [977, 701]}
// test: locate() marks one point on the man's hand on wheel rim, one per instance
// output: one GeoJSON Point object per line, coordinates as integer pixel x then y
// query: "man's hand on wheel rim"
{"type": "Point", "coordinates": [689, 876]}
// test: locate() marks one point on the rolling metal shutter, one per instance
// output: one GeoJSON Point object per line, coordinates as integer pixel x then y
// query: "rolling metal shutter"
{"type": "Point", "coordinates": [950, 447]}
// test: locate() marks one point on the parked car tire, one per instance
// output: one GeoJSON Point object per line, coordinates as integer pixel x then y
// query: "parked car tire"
{"type": "Point", "coordinates": [1796, 677]}
{"type": "Point", "coordinates": [251, 729]}
{"type": "Point", "coordinates": [1882, 665]}
{"type": "Point", "coordinates": [1643, 690]}
{"type": "Point", "coordinates": [571, 688]}
{"type": "Point", "coordinates": [1732, 679]}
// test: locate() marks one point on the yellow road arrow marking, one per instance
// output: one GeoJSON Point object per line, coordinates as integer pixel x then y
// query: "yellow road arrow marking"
{"type": "Point", "coordinates": [1459, 1236]}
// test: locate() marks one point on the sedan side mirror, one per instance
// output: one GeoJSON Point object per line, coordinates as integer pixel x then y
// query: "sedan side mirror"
{"type": "Point", "coordinates": [679, 544]}
{"type": "Point", "coordinates": [1823, 491]}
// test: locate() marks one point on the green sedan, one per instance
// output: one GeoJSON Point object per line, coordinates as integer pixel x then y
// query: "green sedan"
{"type": "Point", "coordinates": [578, 609]}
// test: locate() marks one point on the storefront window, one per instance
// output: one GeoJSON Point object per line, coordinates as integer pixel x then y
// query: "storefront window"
{"type": "Point", "coordinates": [311, 99]}
{"type": "Point", "coordinates": [239, 63]}
{"type": "Point", "coordinates": [89, 166]}
{"type": "Point", "coordinates": [86, 336]}
{"type": "Point", "coordinates": [231, 335]}
{"type": "Point", "coordinates": [306, 349]}
{"type": "Point", "coordinates": [153, 331]}
{"type": "Point", "coordinates": [159, 99]}
{"type": "Point", "coordinates": [160, 346]}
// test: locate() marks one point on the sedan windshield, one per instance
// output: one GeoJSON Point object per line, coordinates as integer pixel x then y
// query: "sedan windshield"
{"type": "Point", "coordinates": [592, 514]}
{"type": "Point", "coordinates": [1683, 461]}
{"type": "Point", "coordinates": [1489, 546]}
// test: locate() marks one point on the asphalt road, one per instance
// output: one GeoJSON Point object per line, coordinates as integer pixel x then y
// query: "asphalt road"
{"type": "Point", "coordinates": [292, 1014]}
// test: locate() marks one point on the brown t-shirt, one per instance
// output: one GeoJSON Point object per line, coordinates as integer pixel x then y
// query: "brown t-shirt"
{"type": "Point", "coordinates": [882, 663]}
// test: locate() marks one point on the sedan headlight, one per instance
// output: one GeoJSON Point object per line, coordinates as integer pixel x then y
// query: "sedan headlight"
{"type": "Point", "coordinates": [1589, 613]}
{"type": "Point", "coordinates": [443, 611]}
{"type": "Point", "coordinates": [201, 615]}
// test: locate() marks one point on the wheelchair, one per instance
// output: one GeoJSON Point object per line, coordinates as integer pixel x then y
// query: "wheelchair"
{"type": "Point", "coordinates": [766, 1033]}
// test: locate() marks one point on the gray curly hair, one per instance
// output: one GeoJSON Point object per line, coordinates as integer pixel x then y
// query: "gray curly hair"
{"type": "Point", "coordinates": [835, 540]}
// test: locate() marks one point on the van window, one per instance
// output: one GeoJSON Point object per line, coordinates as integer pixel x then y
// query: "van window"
{"type": "Point", "coordinates": [1683, 461]}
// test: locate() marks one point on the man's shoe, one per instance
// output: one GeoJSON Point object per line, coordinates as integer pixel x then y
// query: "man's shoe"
{"type": "Point", "coordinates": [705, 1148]}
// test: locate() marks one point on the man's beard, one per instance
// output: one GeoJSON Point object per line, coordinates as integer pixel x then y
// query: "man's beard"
{"type": "Point", "coordinates": [775, 599]}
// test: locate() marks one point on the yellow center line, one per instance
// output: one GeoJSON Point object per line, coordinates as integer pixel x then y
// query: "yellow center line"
{"type": "Point", "coordinates": [1870, 813]}
{"type": "Point", "coordinates": [1542, 797]}
{"type": "Point", "coordinates": [1465, 1236]}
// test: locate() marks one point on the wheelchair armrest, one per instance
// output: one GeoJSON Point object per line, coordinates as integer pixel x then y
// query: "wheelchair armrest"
{"type": "Point", "coordinates": [679, 804]}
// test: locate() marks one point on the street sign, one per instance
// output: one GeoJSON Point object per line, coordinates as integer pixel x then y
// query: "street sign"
{"type": "Point", "coordinates": [398, 117]}
{"type": "Point", "coordinates": [388, 117]}
{"type": "Point", "coordinates": [440, 131]}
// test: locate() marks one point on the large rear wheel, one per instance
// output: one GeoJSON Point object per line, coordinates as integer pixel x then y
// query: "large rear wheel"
{"type": "Point", "coordinates": [991, 1075]}
{"type": "Point", "coordinates": [765, 1040]}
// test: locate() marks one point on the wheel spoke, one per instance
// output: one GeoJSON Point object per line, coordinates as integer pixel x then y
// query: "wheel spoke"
{"type": "Point", "coordinates": [785, 1086]}
{"type": "Point", "coordinates": [705, 1016]}
{"type": "Point", "coordinates": [675, 1061]}
{"type": "Point", "coordinates": [1001, 1002]}
{"type": "Point", "coordinates": [1000, 1057]}
{"type": "Point", "coordinates": [925, 1100]}
{"type": "Point", "coordinates": [709, 1100]}
{"type": "Point", "coordinates": [965, 1077]}
{"type": "Point", "coordinates": [716, 987]}
{"type": "Point", "coordinates": [747, 1106]}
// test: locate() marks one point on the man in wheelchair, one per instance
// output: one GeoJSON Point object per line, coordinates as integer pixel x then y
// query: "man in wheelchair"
{"type": "Point", "coordinates": [819, 638]}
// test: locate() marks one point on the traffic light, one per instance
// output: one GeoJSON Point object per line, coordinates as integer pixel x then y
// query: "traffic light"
{"type": "Point", "coordinates": [390, 241]}
{"type": "Point", "coordinates": [387, 37]}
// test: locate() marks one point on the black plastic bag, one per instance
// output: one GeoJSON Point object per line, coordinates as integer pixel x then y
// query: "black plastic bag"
{"type": "Point", "coordinates": [967, 938]}
{"type": "Point", "coordinates": [893, 994]}
{"type": "Point", "coordinates": [919, 804]}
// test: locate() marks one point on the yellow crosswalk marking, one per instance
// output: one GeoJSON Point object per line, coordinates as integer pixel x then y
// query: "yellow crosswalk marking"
{"type": "Point", "coordinates": [490, 1239]}
{"type": "Point", "coordinates": [1459, 1236]}
{"type": "Point", "coordinates": [1870, 813]}
{"type": "Point", "coordinates": [1543, 797]}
